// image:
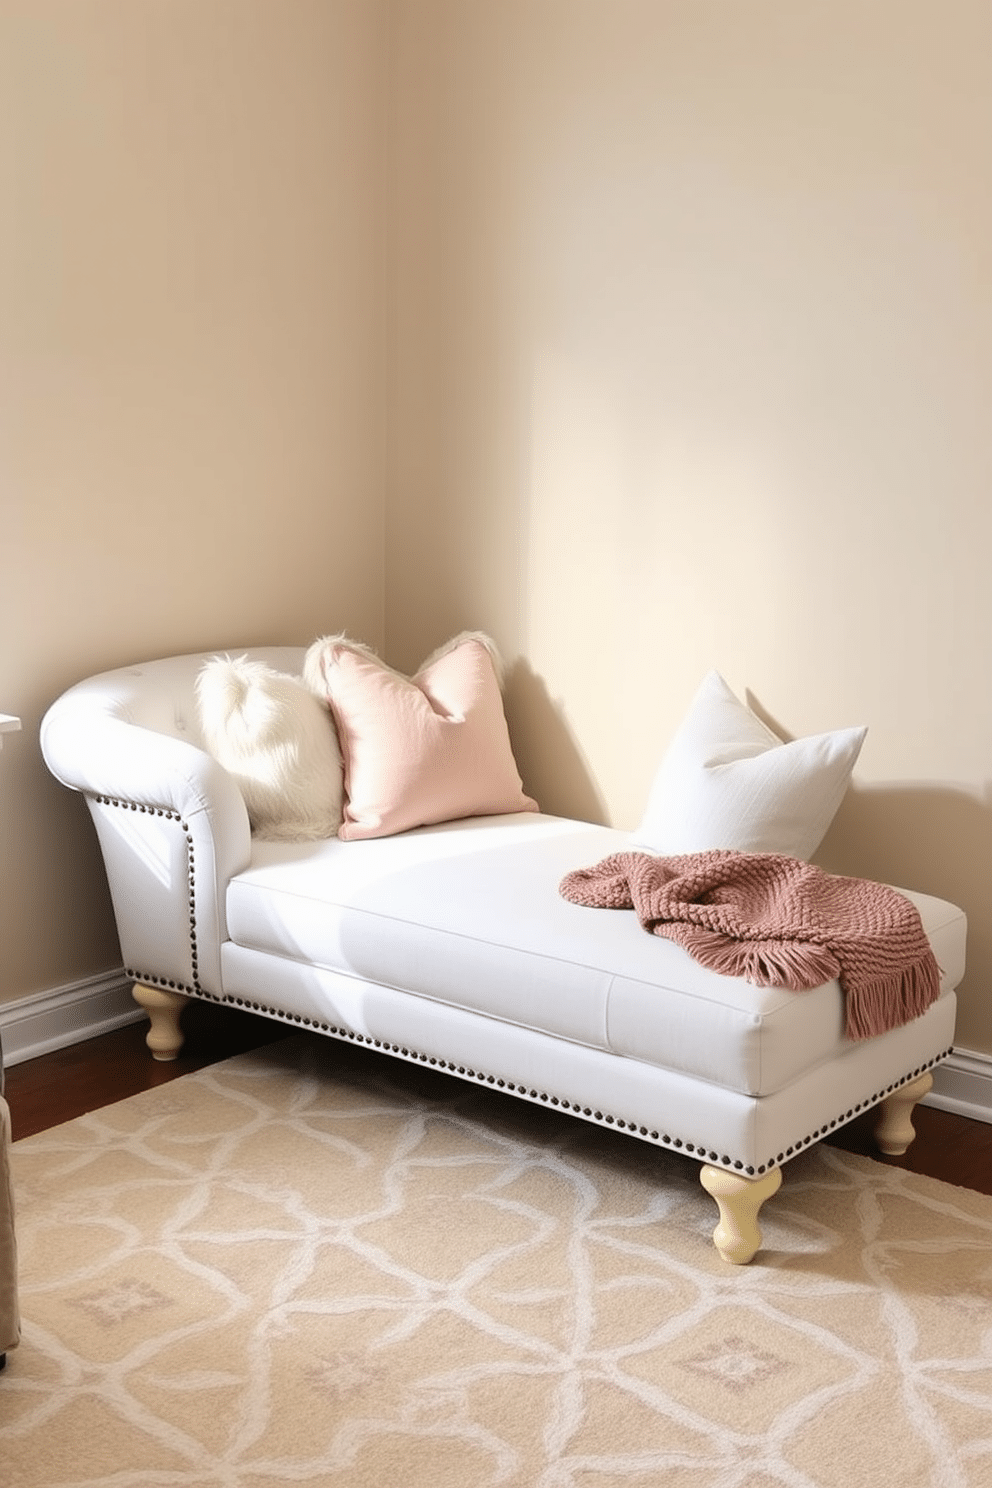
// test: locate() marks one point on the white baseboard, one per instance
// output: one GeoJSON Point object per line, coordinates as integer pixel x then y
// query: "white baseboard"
{"type": "Point", "coordinates": [66, 1015]}
{"type": "Point", "coordinates": [963, 1085]}
{"type": "Point", "coordinates": [82, 1010]}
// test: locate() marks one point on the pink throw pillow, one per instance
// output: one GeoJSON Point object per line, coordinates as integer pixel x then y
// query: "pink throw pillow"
{"type": "Point", "coordinates": [419, 750]}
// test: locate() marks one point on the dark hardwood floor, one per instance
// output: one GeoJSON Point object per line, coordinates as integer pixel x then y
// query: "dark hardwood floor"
{"type": "Point", "coordinates": [57, 1087]}
{"type": "Point", "coordinates": [949, 1147]}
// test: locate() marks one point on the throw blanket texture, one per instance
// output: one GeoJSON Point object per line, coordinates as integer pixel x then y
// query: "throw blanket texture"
{"type": "Point", "coordinates": [778, 922]}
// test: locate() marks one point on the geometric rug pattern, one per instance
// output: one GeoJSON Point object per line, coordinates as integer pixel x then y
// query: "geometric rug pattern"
{"type": "Point", "coordinates": [314, 1264]}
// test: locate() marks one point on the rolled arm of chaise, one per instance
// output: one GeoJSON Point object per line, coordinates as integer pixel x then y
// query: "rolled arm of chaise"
{"type": "Point", "coordinates": [172, 827]}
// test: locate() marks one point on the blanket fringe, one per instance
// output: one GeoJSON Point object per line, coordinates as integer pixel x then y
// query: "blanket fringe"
{"type": "Point", "coordinates": [778, 922]}
{"type": "Point", "coordinates": [797, 965]}
{"type": "Point", "coordinates": [869, 1007]}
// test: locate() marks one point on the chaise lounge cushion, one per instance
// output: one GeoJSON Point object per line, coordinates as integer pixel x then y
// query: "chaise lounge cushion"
{"type": "Point", "coordinates": [469, 915]}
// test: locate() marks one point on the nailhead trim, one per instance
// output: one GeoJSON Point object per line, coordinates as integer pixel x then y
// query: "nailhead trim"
{"type": "Point", "coordinates": [194, 956]}
{"type": "Point", "coordinates": [658, 1138]}
{"type": "Point", "coordinates": [864, 1105]}
{"type": "Point", "coordinates": [168, 984]}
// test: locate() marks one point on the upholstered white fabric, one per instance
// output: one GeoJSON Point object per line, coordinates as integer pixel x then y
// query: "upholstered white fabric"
{"type": "Point", "coordinates": [452, 945]}
{"type": "Point", "coordinates": [469, 914]}
{"type": "Point", "coordinates": [172, 824]}
{"type": "Point", "coordinates": [667, 1106]}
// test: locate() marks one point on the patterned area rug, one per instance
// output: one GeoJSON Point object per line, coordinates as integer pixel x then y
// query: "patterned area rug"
{"type": "Point", "coordinates": [313, 1264]}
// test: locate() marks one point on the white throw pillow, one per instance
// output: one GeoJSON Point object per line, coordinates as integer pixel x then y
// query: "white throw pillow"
{"type": "Point", "coordinates": [278, 741]}
{"type": "Point", "coordinates": [727, 781]}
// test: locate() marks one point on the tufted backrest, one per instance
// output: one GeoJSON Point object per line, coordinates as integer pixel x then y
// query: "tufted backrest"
{"type": "Point", "coordinates": [160, 695]}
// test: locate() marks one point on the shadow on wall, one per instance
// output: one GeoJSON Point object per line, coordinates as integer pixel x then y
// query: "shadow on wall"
{"type": "Point", "coordinates": [554, 769]}
{"type": "Point", "coordinates": [928, 837]}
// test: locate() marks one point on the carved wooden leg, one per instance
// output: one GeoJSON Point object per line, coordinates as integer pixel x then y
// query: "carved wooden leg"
{"type": "Point", "coordinates": [165, 1038]}
{"type": "Point", "coordinates": [894, 1129]}
{"type": "Point", "coordinates": [737, 1236]}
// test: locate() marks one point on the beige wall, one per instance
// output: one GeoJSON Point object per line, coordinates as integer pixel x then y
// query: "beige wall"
{"type": "Point", "coordinates": [691, 364]}
{"type": "Point", "coordinates": [191, 337]}
{"type": "Point", "coordinates": [693, 369]}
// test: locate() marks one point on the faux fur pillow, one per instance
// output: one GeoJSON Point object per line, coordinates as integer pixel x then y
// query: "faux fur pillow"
{"type": "Point", "coordinates": [278, 741]}
{"type": "Point", "coordinates": [420, 750]}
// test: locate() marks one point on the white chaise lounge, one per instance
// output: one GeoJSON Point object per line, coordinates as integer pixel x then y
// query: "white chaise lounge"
{"type": "Point", "coordinates": [451, 944]}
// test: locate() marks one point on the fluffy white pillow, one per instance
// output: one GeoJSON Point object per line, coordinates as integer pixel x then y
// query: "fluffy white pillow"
{"type": "Point", "coordinates": [727, 781]}
{"type": "Point", "coordinates": [278, 741]}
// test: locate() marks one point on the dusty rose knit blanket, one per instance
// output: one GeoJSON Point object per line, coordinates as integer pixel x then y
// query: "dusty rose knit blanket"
{"type": "Point", "coordinates": [778, 922]}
